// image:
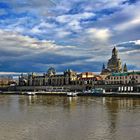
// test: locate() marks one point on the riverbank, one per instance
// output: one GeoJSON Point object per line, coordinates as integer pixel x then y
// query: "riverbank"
{"type": "Point", "coordinates": [108, 94]}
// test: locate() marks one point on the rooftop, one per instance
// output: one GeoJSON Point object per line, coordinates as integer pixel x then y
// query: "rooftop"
{"type": "Point", "coordinates": [125, 73]}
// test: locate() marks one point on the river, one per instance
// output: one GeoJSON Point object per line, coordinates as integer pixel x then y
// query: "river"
{"type": "Point", "coordinates": [69, 118]}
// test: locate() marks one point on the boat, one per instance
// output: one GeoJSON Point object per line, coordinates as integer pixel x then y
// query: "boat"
{"type": "Point", "coordinates": [87, 91]}
{"type": "Point", "coordinates": [95, 91]}
{"type": "Point", "coordinates": [30, 93]}
{"type": "Point", "coordinates": [71, 94]}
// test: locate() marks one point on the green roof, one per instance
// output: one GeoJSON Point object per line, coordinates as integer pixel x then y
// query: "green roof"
{"type": "Point", "coordinates": [125, 73]}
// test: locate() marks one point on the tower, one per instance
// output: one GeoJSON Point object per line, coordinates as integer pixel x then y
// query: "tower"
{"type": "Point", "coordinates": [125, 68]}
{"type": "Point", "coordinates": [103, 67]}
{"type": "Point", "coordinates": [105, 71]}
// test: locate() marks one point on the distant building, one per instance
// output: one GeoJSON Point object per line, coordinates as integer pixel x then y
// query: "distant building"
{"type": "Point", "coordinates": [114, 64]}
{"type": "Point", "coordinates": [123, 78]}
{"type": "Point", "coordinates": [6, 80]}
{"type": "Point", "coordinates": [85, 80]}
{"type": "Point", "coordinates": [89, 79]}
{"type": "Point", "coordinates": [49, 79]}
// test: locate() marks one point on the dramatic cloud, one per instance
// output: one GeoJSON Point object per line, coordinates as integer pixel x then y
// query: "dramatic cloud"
{"type": "Point", "coordinates": [76, 34]}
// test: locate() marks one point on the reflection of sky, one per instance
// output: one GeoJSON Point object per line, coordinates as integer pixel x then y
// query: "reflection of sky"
{"type": "Point", "coordinates": [49, 32]}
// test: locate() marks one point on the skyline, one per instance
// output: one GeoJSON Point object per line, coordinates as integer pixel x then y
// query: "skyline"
{"type": "Point", "coordinates": [79, 34]}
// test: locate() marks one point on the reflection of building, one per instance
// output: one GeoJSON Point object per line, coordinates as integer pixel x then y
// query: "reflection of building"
{"type": "Point", "coordinates": [114, 64]}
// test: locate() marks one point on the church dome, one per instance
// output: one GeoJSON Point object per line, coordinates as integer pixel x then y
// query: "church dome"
{"type": "Point", "coordinates": [51, 71]}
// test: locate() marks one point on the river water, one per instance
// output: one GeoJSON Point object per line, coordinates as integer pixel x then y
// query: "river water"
{"type": "Point", "coordinates": [69, 118]}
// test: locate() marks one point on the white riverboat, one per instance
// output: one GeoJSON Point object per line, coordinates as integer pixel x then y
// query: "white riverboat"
{"type": "Point", "coordinates": [98, 91]}
{"type": "Point", "coordinates": [71, 94]}
{"type": "Point", "coordinates": [30, 93]}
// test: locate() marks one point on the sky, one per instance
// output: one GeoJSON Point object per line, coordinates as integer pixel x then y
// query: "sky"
{"type": "Point", "coordinates": [74, 34]}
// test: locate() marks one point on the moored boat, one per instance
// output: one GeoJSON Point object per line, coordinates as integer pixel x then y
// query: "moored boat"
{"type": "Point", "coordinates": [30, 93]}
{"type": "Point", "coordinates": [95, 91]}
{"type": "Point", "coordinates": [98, 91]}
{"type": "Point", "coordinates": [71, 94]}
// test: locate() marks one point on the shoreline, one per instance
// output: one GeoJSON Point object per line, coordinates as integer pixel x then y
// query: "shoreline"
{"type": "Point", "coordinates": [114, 94]}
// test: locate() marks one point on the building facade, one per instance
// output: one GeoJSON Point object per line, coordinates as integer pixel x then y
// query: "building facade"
{"type": "Point", "coordinates": [6, 80]}
{"type": "Point", "coordinates": [123, 78]}
{"type": "Point", "coordinates": [85, 80]}
{"type": "Point", "coordinates": [50, 78]}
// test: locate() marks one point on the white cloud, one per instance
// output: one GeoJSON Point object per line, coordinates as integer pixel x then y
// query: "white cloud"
{"type": "Point", "coordinates": [99, 34]}
{"type": "Point", "coordinates": [62, 34]}
{"type": "Point", "coordinates": [74, 25]}
{"type": "Point", "coordinates": [42, 27]}
{"type": "Point", "coordinates": [129, 24]}
{"type": "Point", "coordinates": [74, 17]}
{"type": "Point", "coordinates": [9, 73]}
{"type": "Point", "coordinates": [12, 42]}
{"type": "Point", "coordinates": [137, 42]}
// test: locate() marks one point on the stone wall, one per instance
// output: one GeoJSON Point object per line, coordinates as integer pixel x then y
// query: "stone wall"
{"type": "Point", "coordinates": [50, 88]}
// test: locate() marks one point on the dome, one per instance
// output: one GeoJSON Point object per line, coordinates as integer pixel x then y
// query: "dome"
{"type": "Point", "coordinates": [51, 71]}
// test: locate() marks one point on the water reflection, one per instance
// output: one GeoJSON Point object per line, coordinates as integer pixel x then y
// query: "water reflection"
{"type": "Point", "coordinates": [118, 103]}
{"type": "Point", "coordinates": [110, 102]}
{"type": "Point", "coordinates": [68, 118]}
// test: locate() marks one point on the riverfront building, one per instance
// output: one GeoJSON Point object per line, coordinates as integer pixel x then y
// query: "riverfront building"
{"type": "Point", "coordinates": [123, 82]}
{"type": "Point", "coordinates": [89, 79]}
{"type": "Point", "coordinates": [6, 80]}
{"type": "Point", "coordinates": [49, 79]}
{"type": "Point", "coordinates": [111, 76]}
{"type": "Point", "coordinates": [68, 77]}
{"type": "Point", "coordinates": [123, 78]}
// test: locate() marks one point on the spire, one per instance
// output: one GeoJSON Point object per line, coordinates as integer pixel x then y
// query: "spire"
{"type": "Point", "coordinates": [125, 68]}
{"type": "Point", "coordinates": [103, 66]}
